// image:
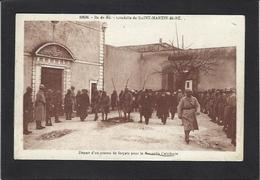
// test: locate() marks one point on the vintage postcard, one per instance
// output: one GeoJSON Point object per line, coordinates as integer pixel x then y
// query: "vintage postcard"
{"type": "Point", "coordinates": [129, 87]}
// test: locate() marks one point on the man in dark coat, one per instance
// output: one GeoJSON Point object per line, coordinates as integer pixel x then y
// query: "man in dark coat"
{"type": "Point", "coordinates": [163, 107]}
{"type": "Point", "coordinates": [146, 106]}
{"type": "Point", "coordinates": [95, 103]}
{"type": "Point", "coordinates": [27, 110]}
{"type": "Point", "coordinates": [104, 105]}
{"type": "Point", "coordinates": [68, 103]}
{"type": "Point", "coordinates": [127, 104]}
{"type": "Point", "coordinates": [114, 100]}
{"type": "Point", "coordinates": [84, 104]}
{"type": "Point", "coordinates": [57, 102]}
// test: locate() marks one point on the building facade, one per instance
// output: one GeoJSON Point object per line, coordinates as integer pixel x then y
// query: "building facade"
{"type": "Point", "coordinates": [150, 66]}
{"type": "Point", "coordinates": [64, 54]}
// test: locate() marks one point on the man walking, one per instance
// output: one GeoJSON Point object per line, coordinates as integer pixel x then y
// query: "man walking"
{"type": "Point", "coordinates": [163, 107]}
{"type": "Point", "coordinates": [146, 107]}
{"type": "Point", "coordinates": [187, 109]}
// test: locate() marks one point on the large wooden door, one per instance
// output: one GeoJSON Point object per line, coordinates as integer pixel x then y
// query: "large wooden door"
{"type": "Point", "coordinates": [52, 78]}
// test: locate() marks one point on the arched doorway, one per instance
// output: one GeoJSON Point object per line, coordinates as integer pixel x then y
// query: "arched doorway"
{"type": "Point", "coordinates": [52, 67]}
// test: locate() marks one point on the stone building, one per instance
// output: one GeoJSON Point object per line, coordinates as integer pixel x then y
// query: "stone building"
{"type": "Point", "coordinates": [148, 65]}
{"type": "Point", "coordinates": [61, 54]}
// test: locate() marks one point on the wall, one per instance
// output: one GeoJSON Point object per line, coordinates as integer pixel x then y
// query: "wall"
{"type": "Point", "coordinates": [147, 66]}
{"type": "Point", "coordinates": [121, 64]}
{"type": "Point", "coordinates": [83, 42]}
{"type": "Point", "coordinates": [27, 72]}
{"type": "Point", "coordinates": [224, 75]}
{"type": "Point", "coordinates": [82, 74]}
{"type": "Point", "coordinates": [83, 39]}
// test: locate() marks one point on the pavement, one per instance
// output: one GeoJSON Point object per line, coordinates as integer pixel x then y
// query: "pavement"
{"type": "Point", "coordinates": [113, 135]}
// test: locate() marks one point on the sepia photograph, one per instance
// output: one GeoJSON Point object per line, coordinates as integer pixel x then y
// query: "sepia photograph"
{"type": "Point", "coordinates": [129, 87]}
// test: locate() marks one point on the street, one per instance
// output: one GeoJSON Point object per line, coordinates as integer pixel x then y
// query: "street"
{"type": "Point", "coordinates": [112, 135]}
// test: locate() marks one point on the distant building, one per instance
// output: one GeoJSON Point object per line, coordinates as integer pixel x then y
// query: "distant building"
{"type": "Point", "coordinates": [63, 54]}
{"type": "Point", "coordinates": [147, 65]}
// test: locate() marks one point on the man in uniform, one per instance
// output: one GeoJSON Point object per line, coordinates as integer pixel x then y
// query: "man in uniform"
{"type": "Point", "coordinates": [40, 107]}
{"type": "Point", "coordinates": [232, 124]}
{"type": "Point", "coordinates": [187, 109]}
{"type": "Point", "coordinates": [27, 110]}
{"type": "Point", "coordinates": [127, 104]}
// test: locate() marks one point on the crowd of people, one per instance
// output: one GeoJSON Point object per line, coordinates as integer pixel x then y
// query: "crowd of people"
{"type": "Point", "coordinates": [219, 105]}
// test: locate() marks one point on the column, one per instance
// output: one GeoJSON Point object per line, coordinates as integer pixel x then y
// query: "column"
{"type": "Point", "coordinates": [100, 84]}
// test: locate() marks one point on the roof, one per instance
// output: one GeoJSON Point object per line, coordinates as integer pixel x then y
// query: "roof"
{"type": "Point", "coordinates": [150, 47]}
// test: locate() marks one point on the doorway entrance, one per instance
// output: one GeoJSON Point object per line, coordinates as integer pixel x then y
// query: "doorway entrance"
{"type": "Point", "coordinates": [51, 78]}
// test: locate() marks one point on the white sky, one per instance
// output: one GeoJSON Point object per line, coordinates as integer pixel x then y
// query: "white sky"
{"type": "Point", "coordinates": [198, 31]}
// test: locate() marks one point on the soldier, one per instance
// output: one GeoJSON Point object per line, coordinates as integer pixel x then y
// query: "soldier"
{"type": "Point", "coordinates": [84, 104]}
{"type": "Point", "coordinates": [221, 105]}
{"type": "Point", "coordinates": [104, 105]}
{"type": "Point", "coordinates": [146, 106]}
{"type": "Point", "coordinates": [163, 107]}
{"type": "Point", "coordinates": [27, 110]}
{"type": "Point", "coordinates": [114, 100]}
{"type": "Point", "coordinates": [95, 103]}
{"type": "Point", "coordinates": [57, 102]}
{"type": "Point", "coordinates": [40, 107]}
{"type": "Point", "coordinates": [232, 129]}
{"type": "Point", "coordinates": [227, 110]}
{"type": "Point", "coordinates": [187, 109]}
{"type": "Point", "coordinates": [173, 104]}
{"type": "Point", "coordinates": [68, 102]}
{"type": "Point", "coordinates": [127, 104]}
{"type": "Point", "coordinates": [49, 107]}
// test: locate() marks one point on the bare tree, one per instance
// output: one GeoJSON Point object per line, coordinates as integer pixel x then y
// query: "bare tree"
{"type": "Point", "coordinates": [184, 63]}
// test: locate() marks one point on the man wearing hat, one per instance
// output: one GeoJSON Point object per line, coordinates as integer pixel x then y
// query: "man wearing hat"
{"type": "Point", "coordinates": [187, 109]}
{"type": "Point", "coordinates": [127, 104]}
{"type": "Point", "coordinates": [27, 110]}
{"type": "Point", "coordinates": [40, 107]}
{"type": "Point", "coordinates": [146, 106]}
{"type": "Point", "coordinates": [84, 104]}
{"type": "Point", "coordinates": [163, 107]}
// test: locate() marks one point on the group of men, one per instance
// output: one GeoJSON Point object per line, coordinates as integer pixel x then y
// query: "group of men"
{"type": "Point", "coordinates": [220, 106]}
